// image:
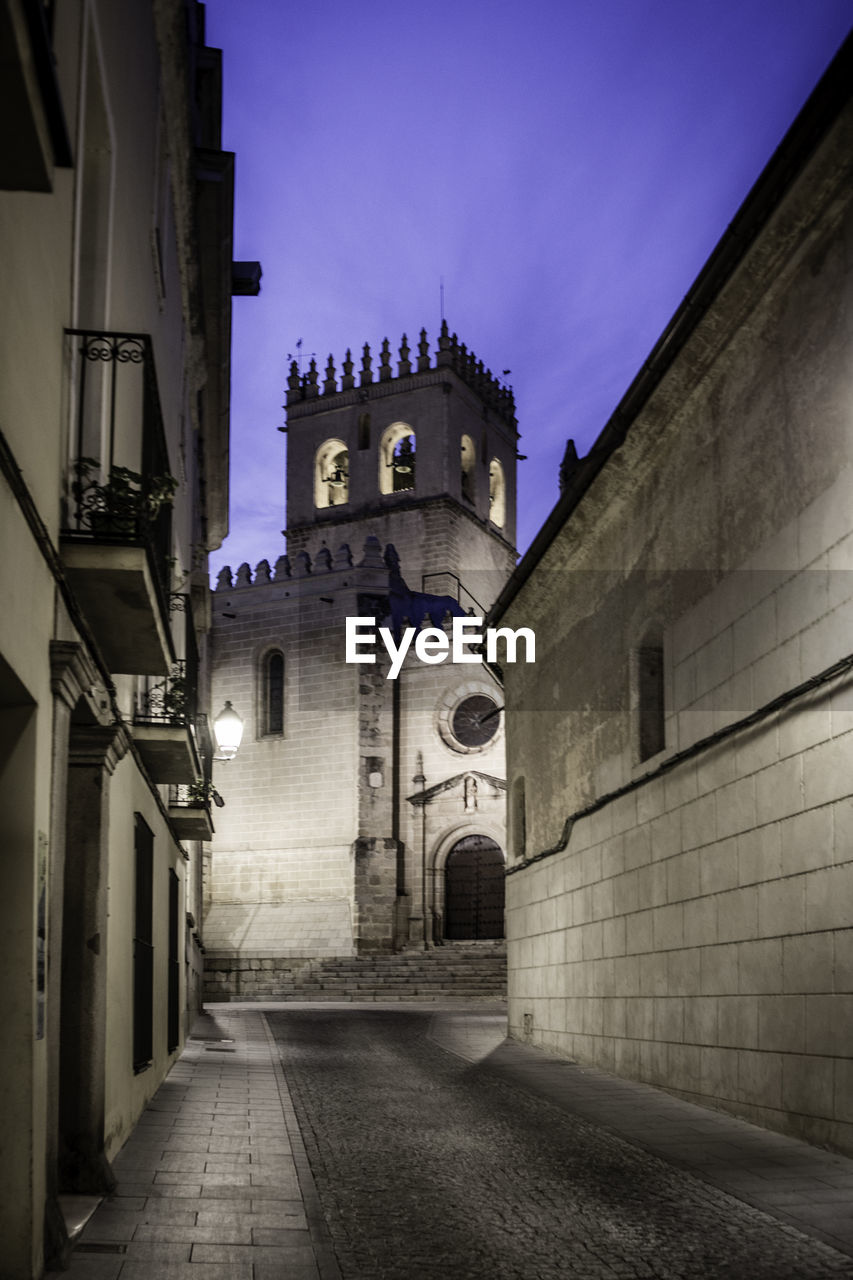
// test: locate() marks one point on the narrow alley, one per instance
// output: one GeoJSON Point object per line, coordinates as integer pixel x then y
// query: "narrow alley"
{"type": "Point", "coordinates": [415, 1143]}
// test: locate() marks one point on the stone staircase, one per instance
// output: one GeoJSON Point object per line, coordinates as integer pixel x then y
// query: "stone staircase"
{"type": "Point", "coordinates": [455, 971]}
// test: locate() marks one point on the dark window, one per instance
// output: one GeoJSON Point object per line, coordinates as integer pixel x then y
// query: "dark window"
{"type": "Point", "coordinates": [650, 700]}
{"type": "Point", "coordinates": [143, 947]}
{"type": "Point", "coordinates": [173, 1027]}
{"type": "Point", "coordinates": [273, 710]}
{"type": "Point", "coordinates": [364, 431]}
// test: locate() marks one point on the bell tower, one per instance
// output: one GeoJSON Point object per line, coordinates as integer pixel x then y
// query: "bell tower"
{"type": "Point", "coordinates": [423, 457]}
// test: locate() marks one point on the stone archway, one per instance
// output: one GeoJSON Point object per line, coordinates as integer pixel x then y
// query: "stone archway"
{"type": "Point", "coordinates": [474, 890]}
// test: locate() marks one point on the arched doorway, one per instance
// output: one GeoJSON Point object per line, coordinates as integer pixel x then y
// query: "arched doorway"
{"type": "Point", "coordinates": [474, 890]}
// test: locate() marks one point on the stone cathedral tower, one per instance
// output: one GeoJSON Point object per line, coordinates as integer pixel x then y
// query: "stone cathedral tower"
{"type": "Point", "coordinates": [363, 813]}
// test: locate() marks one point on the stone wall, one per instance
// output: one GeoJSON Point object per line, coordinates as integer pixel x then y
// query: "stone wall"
{"type": "Point", "coordinates": [681, 915]}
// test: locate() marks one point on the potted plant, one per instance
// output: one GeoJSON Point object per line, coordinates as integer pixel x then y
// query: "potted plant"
{"type": "Point", "coordinates": [122, 503]}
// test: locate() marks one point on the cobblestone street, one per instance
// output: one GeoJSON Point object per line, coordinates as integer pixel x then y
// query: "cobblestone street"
{"type": "Point", "coordinates": [430, 1166]}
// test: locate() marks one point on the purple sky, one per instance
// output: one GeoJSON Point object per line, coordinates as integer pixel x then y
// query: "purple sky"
{"type": "Point", "coordinates": [566, 166]}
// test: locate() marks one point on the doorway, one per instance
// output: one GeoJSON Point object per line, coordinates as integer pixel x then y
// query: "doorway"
{"type": "Point", "coordinates": [474, 890]}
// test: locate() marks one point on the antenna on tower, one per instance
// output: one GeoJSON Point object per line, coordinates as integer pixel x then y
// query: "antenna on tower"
{"type": "Point", "coordinates": [441, 294]}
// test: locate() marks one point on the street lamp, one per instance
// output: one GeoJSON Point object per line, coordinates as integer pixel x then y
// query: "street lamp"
{"type": "Point", "coordinates": [228, 732]}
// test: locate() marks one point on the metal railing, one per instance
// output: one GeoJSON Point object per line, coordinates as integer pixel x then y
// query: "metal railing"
{"type": "Point", "coordinates": [120, 485]}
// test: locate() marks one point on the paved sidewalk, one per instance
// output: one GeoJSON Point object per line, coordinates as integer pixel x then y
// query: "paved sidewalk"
{"type": "Point", "coordinates": [214, 1183]}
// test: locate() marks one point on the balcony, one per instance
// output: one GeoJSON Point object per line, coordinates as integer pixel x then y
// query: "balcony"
{"type": "Point", "coordinates": [116, 539]}
{"type": "Point", "coordinates": [189, 812]}
{"type": "Point", "coordinates": [163, 728]}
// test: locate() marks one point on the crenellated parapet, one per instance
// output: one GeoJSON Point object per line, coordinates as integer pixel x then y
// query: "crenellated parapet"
{"type": "Point", "coordinates": [449, 354]}
{"type": "Point", "coordinates": [324, 565]}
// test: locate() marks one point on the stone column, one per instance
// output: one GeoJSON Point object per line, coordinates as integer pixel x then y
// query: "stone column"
{"type": "Point", "coordinates": [94, 752]}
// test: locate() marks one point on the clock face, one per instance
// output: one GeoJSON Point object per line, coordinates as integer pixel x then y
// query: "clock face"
{"type": "Point", "coordinates": [469, 723]}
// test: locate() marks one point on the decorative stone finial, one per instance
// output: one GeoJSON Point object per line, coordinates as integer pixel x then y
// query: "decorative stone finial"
{"type": "Point", "coordinates": [343, 557]}
{"type": "Point", "coordinates": [323, 559]}
{"type": "Point", "coordinates": [293, 377]}
{"type": "Point", "coordinates": [244, 576]}
{"type": "Point", "coordinates": [385, 362]}
{"type": "Point", "coordinates": [423, 352]}
{"type": "Point", "coordinates": [366, 371]}
{"type": "Point", "coordinates": [330, 384]}
{"type": "Point", "coordinates": [223, 581]}
{"type": "Point", "coordinates": [262, 572]}
{"type": "Point", "coordinates": [282, 568]}
{"type": "Point", "coordinates": [348, 381]}
{"type": "Point", "coordinates": [372, 558]}
{"type": "Point", "coordinates": [311, 387]}
{"type": "Point", "coordinates": [302, 567]}
{"type": "Point", "coordinates": [405, 366]}
{"type": "Point", "coordinates": [569, 464]}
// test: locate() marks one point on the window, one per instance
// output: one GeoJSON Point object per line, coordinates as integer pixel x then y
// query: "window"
{"type": "Point", "coordinates": [143, 947]}
{"type": "Point", "coordinates": [364, 431]}
{"type": "Point", "coordinates": [497, 494]}
{"type": "Point", "coordinates": [331, 474]}
{"type": "Point", "coordinates": [272, 694]}
{"type": "Point", "coordinates": [397, 459]}
{"type": "Point", "coordinates": [467, 459]}
{"type": "Point", "coordinates": [650, 699]}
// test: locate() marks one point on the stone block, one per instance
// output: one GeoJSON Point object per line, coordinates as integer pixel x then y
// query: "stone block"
{"type": "Point", "coordinates": [638, 932]}
{"type": "Point", "coordinates": [759, 853]}
{"type": "Point", "coordinates": [719, 1073]}
{"type": "Point", "coordinates": [698, 822]}
{"type": "Point", "coordinates": [684, 1063]}
{"type": "Point", "coordinates": [735, 805]}
{"type": "Point", "coordinates": [826, 773]}
{"type": "Point", "coordinates": [669, 1019]}
{"type": "Point", "coordinates": [701, 1021]}
{"type": "Point", "coordinates": [718, 866]}
{"type": "Point", "coordinates": [639, 1018]}
{"type": "Point", "coordinates": [781, 907]}
{"type": "Point", "coordinates": [779, 790]}
{"type": "Point", "coordinates": [683, 971]}
{"type": "Point", "coordinates": [737, 914]}
{"type": "Point", "coordinates": [782, 1024]}
{"type": "Point", "coordinates": [828, 897]}
{"type": "Point", "coordinates": [668, 927]}
{"type": "Point", "coordinates": [719, 970]}
{"type": "Point", "coordinates": [760, 1078]}
{"type": "Point", "coordinates": [700, 922]}
{"type": "Point", "coordinates": [738, 1022]}
{"type": "Point", "coordinates": [807, 963]}
{"type": "Point", "coordinates": [759, 966]}
{"type": "Point", "coordinates": [808, 1084]}
{"type": "Point", "coordinates": [829, 1025]}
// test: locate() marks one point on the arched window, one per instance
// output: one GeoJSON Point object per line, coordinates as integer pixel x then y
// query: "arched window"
{"type": "Point", "coordinates": [497, 494]}
{"type": "Point", "coordinates": [397, 459]}
{"type": "Point", "coordinates": [331, 474]}
{"type": "Point", "coordinates": [468, 457]}
{"type": "Point", "coordinates": [272, 694]}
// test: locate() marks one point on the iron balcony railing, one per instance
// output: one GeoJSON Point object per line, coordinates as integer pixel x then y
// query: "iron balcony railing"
{"type": "Point", "coordinates": [170, 701]}
{"type": "Point", "coordinates": [120, 485]}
